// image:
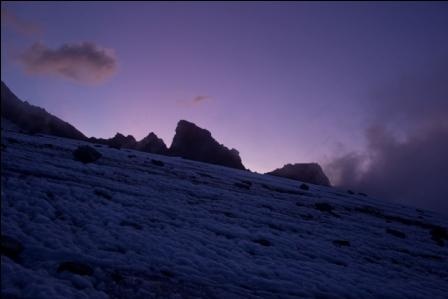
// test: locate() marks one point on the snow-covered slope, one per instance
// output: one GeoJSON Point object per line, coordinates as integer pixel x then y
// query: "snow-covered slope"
{"type": "Point", "coordinates": [138, 225]}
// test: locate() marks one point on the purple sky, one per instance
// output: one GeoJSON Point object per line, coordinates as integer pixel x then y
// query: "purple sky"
{"type": "Point", "coordinates": [280, 82]}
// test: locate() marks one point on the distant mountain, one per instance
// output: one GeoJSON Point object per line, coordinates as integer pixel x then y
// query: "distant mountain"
{"type": "Point", "coordinates": [190, 141]}
{"type": "Point", "coordinates": [194, 143]}
{"type": "Point", "coordinates": [152, 144]}
{"type": "Point", "coordinates": [33, 119]}
{"type": "Point", "coordinates": [306, 172]}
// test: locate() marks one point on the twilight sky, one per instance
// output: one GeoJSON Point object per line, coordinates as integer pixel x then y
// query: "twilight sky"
{"type": "Point", "coordinates": [348, 85]}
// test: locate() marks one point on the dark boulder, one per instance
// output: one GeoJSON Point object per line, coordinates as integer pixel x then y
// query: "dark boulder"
{"type": "Point", "coordinates": [131, 224]}
{"type": "Point", "coordinates": [306, 172]}
{"type": "Point", "coordinates": [86, 154]}
{"type": "Point", "coordinates": [76, 268]}
{"type": "Point", "coordinates": [243, 185]}
{"type": "Point", "coordinates": [103, 193]}
{"type": "Point", "coordinates": [11, 247]}
{"type": "Point", "coordinates": [9, 295]}
{"type": "Point", "coordinates": [194, 143]}
{"type": "Point", "coordinates": [396, 233]}
{"type": "Point", "coordinates": [304, 187]}
{"type": "Point", "coordinates": [323, 207]}
{"type": "Point", "coordinates": [341, 243]}
{"type": "Point", "coordinates": [439, 234]}
{"type": "Point", "coordinates": [263, 242]}
{"type": "Point", "coordinates": [157, 162]}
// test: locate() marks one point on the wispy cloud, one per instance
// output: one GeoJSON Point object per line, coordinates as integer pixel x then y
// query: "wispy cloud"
{"type": "Point", "coordinates": [197, 100]}
{"type": "Point", "coordinates": [84, 62]}
{"type": "Point", "coordinates": [200, 99]}
{"type": "Point", "coordinates": [25, 27]}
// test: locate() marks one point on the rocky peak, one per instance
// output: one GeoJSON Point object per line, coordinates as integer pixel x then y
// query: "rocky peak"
{"type": "Point", "coordinates": [152, 144]}
{"type": "Point", "coordinates": [194, 143]}
{"type": "Point", "coordinates": [121, 141]}
{"type": "Point", "coordinates": [33, 119]}
{"type": "Point", "coordinates": [306, 172]}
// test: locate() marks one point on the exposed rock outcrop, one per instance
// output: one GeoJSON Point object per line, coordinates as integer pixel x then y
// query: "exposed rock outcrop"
{"type": "Point", "coordinates": [11, 247]}
{"type": "Point", "coordinates": [33, 119]}
{"type": "Point", "coordinates": [118, 141]}
{"type": "Point", "coordinates": [76, 268]}
{"type": "Point", "coordinates": [152, 144]}
{"type": "Point", "coordinates": [194, 143]}
{"type": "Point", "coordinates": [86, 154]}
{"type": "Point", "coordinates": [149, 144]}
{"type": "Point", "coordinates": [306, 172]}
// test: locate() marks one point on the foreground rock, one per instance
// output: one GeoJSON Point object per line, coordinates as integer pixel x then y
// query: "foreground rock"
{"type": "Point", "coordinates": [76, 268]}
{"type": "Point", "coordinates": [86, 154]}
{"type": "Point", "coordinates": [306, 172]}
{"type": "Point", "coordinates": [194, 143]}
{"type": "Point", "coordinates": [11, 247]}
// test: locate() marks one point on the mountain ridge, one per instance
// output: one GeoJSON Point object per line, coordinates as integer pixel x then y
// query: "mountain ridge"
{"type": "Point", "coordinates": [34, 119]}
{"type": "Point", "coordinates": [189, 141]}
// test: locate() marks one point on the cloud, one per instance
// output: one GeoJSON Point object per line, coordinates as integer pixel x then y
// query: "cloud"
{"type": "Point", "coordinates": [84, 62]}
{"type": "Point", "coordinates": [197, 100]}
{"type": "Point", "coordinates": [11, 20]}
{"type": "Point", "coordinates": [406, 158]}
{"type": "Point", "coordinates": [200, 99]}
{"type": "Point", "coordinates": [412, 171]}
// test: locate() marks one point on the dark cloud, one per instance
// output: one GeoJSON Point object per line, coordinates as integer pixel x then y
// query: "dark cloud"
{"type": "Point", "coordinates": [406, 156]}
{"type": "Point", "coordinates": [84, 62]}
{"type": "Point", "coordinates": [413, 171]}
{"type": "Point", "coordinates": [11, 20]}
{"type": "Point", "coordinates": [415, 98]}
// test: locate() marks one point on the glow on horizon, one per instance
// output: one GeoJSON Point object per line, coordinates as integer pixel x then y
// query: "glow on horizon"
{"type": "Point", "coordinates": [288, 82]}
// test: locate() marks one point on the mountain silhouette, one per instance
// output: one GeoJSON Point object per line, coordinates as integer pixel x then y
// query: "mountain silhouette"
{"type": "Point", "coordinates": [118, 141]}
{"type": "Point", "coordinates": [194, 143]}
{"type": "Point", "coordinates": [190, 141]}
{"type": "Point", "coordinates": [150, 144]}
{"type": "Point", "coordinates": [33, 119]}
